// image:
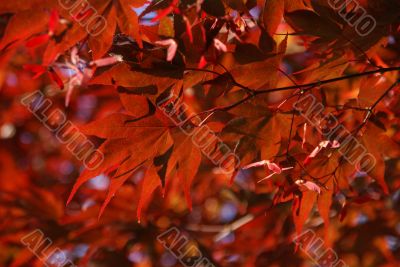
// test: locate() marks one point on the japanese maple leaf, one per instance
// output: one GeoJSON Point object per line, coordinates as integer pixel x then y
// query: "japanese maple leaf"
{"type": "Point", "coordinates": [116, 13]}
{"type": "Point", "coordinates": [153, 142]}
{"type": "Point", "coordinates": [78, 20]}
